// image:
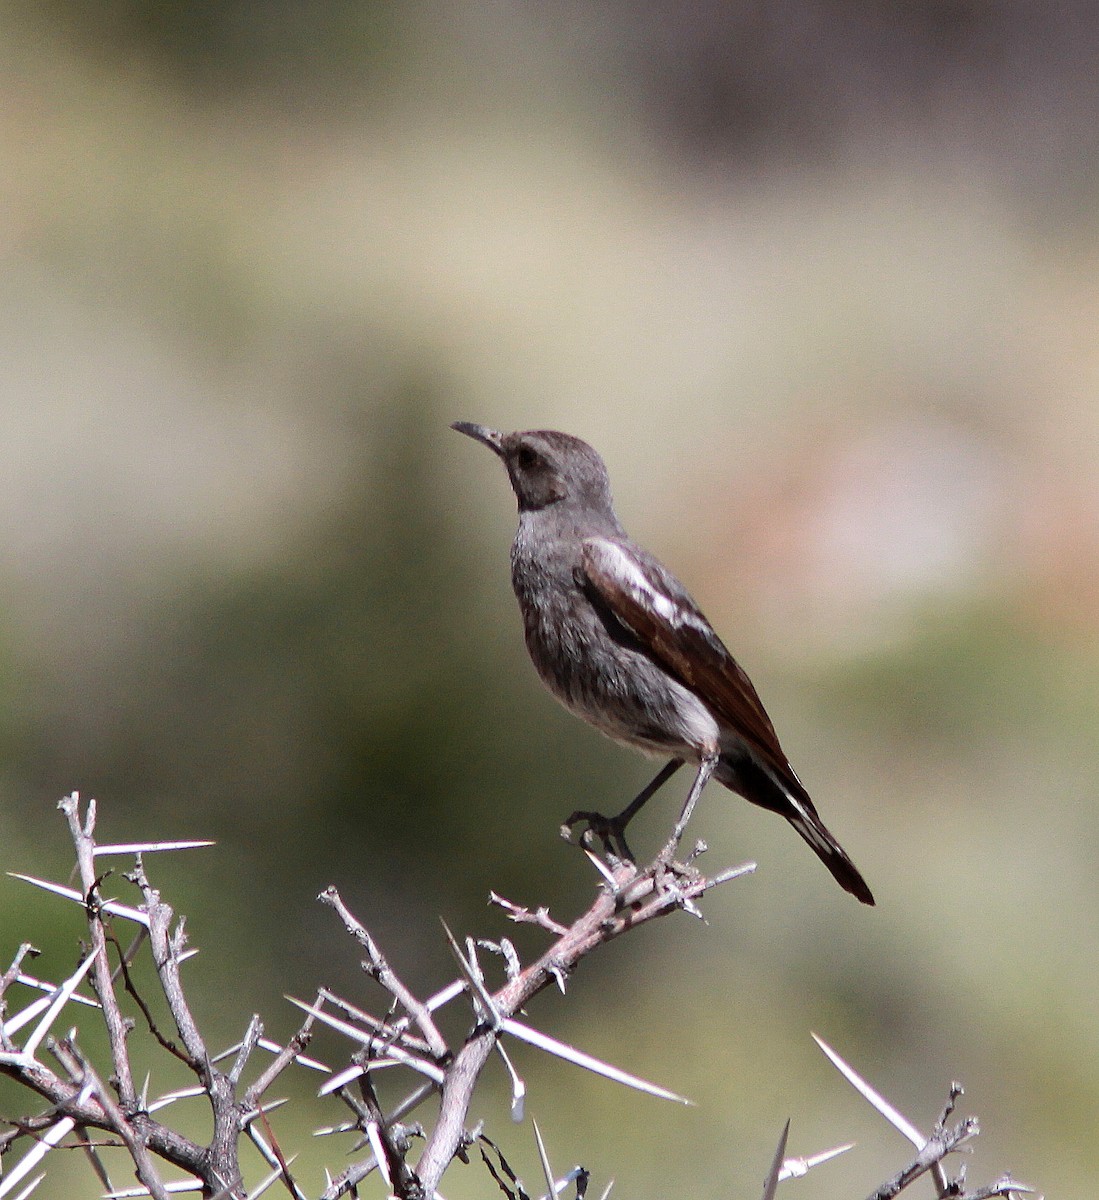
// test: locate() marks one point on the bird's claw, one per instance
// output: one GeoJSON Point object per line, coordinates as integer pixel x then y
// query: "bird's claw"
{"type": "Point", "coordinates": [672, 878]}
{"type": "Point", "coordinates": [611, 831]}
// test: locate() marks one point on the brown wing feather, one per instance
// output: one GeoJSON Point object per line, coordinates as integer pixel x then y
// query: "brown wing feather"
{"type": "Point", "coordinates": [683, 643]}
{"type": "Point", "coordinates": [669, 627]}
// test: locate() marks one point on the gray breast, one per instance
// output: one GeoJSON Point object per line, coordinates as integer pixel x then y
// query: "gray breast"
{"type": "Point", "coordinates": [610, 685]}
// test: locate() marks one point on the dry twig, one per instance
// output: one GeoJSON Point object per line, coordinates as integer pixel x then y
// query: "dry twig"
{"type": "Point", "coordinates": [79, 1098]}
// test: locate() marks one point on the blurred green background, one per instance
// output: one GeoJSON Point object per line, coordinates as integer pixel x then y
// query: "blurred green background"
{"type": "Point", "coordinates": [819, 280]}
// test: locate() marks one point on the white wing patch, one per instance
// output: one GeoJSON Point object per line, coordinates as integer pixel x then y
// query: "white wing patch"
{"type": "Point", "coordinates": [627, 573]}
{"type": "Point", "coordinates": [697, 726]}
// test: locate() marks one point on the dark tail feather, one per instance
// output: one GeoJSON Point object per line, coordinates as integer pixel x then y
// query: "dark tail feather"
{"type": "Point", "coordinates": [805, 820]}
{"type": "Point", "coordinates": [783, 793]}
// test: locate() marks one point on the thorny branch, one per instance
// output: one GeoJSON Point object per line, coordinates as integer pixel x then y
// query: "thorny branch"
{"type": "Point", "coordinates": [83, 1098]}
{"type": "Point", "coordinates": [406, 1036]}
{"type": "Point", "coordinates": [934, 1150]}
{"type": "Point", "coordinates": [930, 1151]}
{"type": "Point", "coordinates": [377, 966]}
{"type": "Point", "coordinates": [117, 1028]}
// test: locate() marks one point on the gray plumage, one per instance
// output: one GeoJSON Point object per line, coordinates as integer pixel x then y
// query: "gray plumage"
{"type": "Point", "coordinates": [618, 640]}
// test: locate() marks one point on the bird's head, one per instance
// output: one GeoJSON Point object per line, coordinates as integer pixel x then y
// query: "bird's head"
{"type": "Point", "coordinates": [546, 467]}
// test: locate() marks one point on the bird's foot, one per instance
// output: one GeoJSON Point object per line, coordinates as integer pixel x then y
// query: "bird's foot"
{"type": "Point", "coordinates": [611, 831]}
{"type": "Point", "coordinates": [665, 861]}
{"type": "Point", "coordinates": [666, 858]}
{"type": "Point", "coordinates": [671, 879]}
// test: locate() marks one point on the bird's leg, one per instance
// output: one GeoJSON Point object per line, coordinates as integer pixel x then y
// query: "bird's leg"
{"type": "Point", "coordinates": [705, 770]}
{"type": "Point", "coordinates": [613, 829]}
{"type": "Point", "coordinates": [647, 792]}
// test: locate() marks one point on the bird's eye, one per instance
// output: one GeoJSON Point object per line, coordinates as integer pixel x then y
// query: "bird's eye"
{"type": "Point", "coordinates": [526, 458]}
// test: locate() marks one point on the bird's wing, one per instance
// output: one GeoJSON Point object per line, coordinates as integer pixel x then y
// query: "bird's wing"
{"type": "Point", "coordinates": [671, 630]}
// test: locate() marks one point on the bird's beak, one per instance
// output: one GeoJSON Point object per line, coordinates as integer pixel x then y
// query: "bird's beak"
{"type": "Point", "coordinates": [490, 437]}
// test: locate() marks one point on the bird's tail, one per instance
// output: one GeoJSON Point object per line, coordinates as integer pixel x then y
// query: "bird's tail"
{"type": "Point", "coordinates": [805, 820]}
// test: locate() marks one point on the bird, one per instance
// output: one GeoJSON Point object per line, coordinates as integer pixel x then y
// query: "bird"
{"type": "Point", "coordinates": [617, 639]}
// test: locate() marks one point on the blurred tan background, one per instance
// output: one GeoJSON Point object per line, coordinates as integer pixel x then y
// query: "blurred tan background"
{"type": "Point", "coordinates": [820, 282]}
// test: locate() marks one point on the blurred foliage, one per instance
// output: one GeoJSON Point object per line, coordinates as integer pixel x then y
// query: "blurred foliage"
{"type": "Point", "coordinates": [212, 46]}
{"type": "Point", "coordinates": [970, 677]}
